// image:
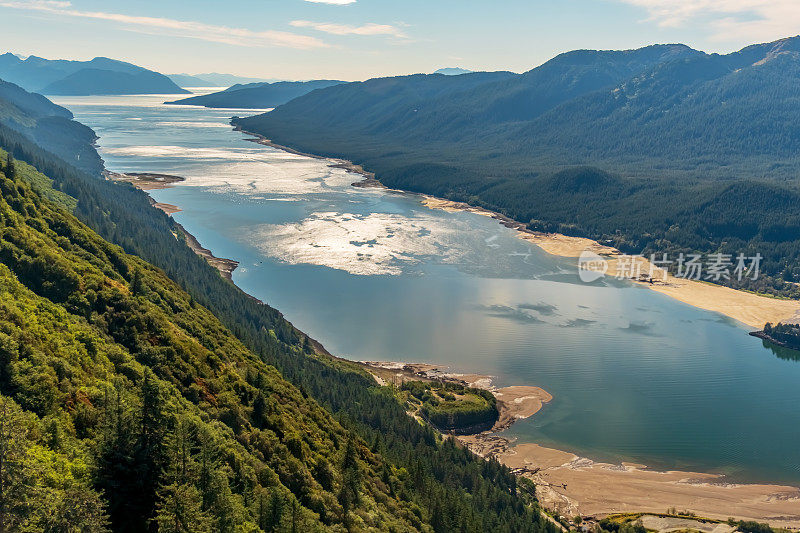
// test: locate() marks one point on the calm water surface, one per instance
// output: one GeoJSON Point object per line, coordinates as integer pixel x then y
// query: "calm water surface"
{"type": "Point", "coordinates": [375, 275]}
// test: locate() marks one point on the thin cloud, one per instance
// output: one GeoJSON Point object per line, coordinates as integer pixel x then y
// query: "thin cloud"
{"type": "Point", "coordinates": [333, 2]}
{"type": "Point", "coordinates": [177, 28]}
{"type": "Point", "coordinates": [728, 20]}
{"type": "Point", "coordinates": [344, 29]}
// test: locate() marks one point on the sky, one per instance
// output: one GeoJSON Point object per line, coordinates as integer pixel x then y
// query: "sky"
{"type": "Point", "coordinates": [360, 39]}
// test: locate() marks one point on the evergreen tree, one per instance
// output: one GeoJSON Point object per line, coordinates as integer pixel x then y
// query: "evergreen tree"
{"type": "Point", "coordinates": [179, 510]}
{"type": "Point", "coordinates": [225, 507]}
{"type": "Point", "coordinates": [117, 475]}
{"type": "Point", "coordinates": [275, 512]}
{"type": "Point", "coordinates": [207, 465]}
{"type": "Point", "coordinates": [15, 487]}
{"type": "Point", "coordinates": [11, 167]}
{"type": "Point", "coordinates": [78, 510]}
{"type": "Point", "coordinates": [136, 284]}
{"type": "Point", "coordinates": [150, 448]}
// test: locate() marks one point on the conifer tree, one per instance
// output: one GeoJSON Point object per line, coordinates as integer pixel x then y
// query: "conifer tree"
{"type": "Point", "coordinates": [11, 167]}
{"type": "Point", "coordinates": [14, 487]}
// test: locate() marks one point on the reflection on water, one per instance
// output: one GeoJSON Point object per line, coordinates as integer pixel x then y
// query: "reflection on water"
{"type": "Point", "coordinates": [375, 275]}
{"type": "Point", "coordinates": [781, 352]}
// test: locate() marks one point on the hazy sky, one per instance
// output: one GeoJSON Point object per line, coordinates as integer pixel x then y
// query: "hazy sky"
{"type": "Point", "coordinates": [358, 39]}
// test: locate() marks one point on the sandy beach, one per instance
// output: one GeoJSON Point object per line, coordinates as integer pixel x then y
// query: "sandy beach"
{"type": "Point", "coordinates": [518, 402]}
{"type": "Point", "coordinates": [751, 309]}
{"type": "Point", "coordinates": [167, 208]}
{"type": "Point", "coordinates": [571, 485]}
{"type": "Point", "coordinates": [146, 181]}
{"type": "Point", "coordinates": [576, 486]}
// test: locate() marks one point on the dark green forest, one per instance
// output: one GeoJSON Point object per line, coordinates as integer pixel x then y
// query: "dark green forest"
{"type": "Point", "coordinates": [784, 335]}
{"type": "Point", "coordinates": [452, 406]}
{"type": "Point", "coordinates": [154, 414]}
{"type": "Point", "coordinates": [658, 150]}
{"type": "Point", "coordinates": [163, 398]}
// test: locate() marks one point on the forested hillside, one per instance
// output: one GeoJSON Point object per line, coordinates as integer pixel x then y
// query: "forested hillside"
{"type": "Point", "coordinates": [156, 404]}
{"type": "Point", "coordinates": [662, 149]}
{"type": "Point", "coordinates": [257, 95]}
{"type": "Point", "coordinates": [49, 125]}
{"type": "Point", "coordinates": [154, 410]}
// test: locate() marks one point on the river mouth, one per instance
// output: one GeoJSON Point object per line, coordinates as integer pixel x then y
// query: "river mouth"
{"type": "Point", "coordinates": [376, 275]}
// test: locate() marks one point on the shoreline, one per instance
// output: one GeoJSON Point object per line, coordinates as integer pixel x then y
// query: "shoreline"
{"type": "Point", "coordinates": [750, 309]}
{"type": "Point", "coordinates": [369, 181]}
{"type": "Point", "coordinates": [147, 181]}
{"type": "Point", "coordinates": [225, 266]}
{"type": "Point", "coordinates": [571, 485]}
{"type": "Point", "coordinates": [567, 482]}
{"type": "Point", "coordinates": [515, 402]}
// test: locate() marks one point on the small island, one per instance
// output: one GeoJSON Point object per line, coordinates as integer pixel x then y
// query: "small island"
{"type": "Point", "coordinates": [452, 407]}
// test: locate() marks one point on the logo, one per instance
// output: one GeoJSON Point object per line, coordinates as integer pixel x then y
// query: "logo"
{"type": "Point", "coordinates": [591, 266]}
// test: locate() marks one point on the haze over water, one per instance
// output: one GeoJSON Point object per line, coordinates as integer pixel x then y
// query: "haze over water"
{"type": "Point", "coordinates": [374, 275]}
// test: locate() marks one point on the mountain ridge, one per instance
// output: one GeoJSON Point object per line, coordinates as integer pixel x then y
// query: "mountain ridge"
{"type": "Point", "coordinates": [72, 77]}
{"type": "Point", "coordinates": [49, 125]}
{"type": "Point", "coordinates": [257, 95]}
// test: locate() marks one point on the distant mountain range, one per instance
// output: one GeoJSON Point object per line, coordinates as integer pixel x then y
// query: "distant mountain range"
{"type": "Point", "coordinates": [214, 79]}
{"type": "Point", "coordinates": [226, 80]}
{"type": "Point", "coordinates": [663, 106]}
{"type": "Point", "coordinates": [452, 71]}
{"type": "Point", "coordinates": [664, 148]}
{"type": "Point", "coordinates": [187, 80]}
{"type": "Point", "coordinates": [80, 78]}
{"type": "Point", "coordinates": [257, 95]}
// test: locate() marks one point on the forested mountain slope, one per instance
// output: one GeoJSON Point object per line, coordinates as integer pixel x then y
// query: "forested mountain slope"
{"type": "Point", "coordinates": [257, 95]}
{"type": "Point", "coordinates": [49, 125]}
{"type": "Point", "coordinates": [433, 108]}
{"type": "Point", "coordinates": [731, 113]}
{"type": "Point", "coordinates": [376, 107]}
{"type": "Point", "coordinates": [147, 391]}
{"type": "Point", "coordinates": [160, 406]}
{"type": "Point", "coordinates": [662, 149]}
{"type": "Point", "coordinates": [467, 115]}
